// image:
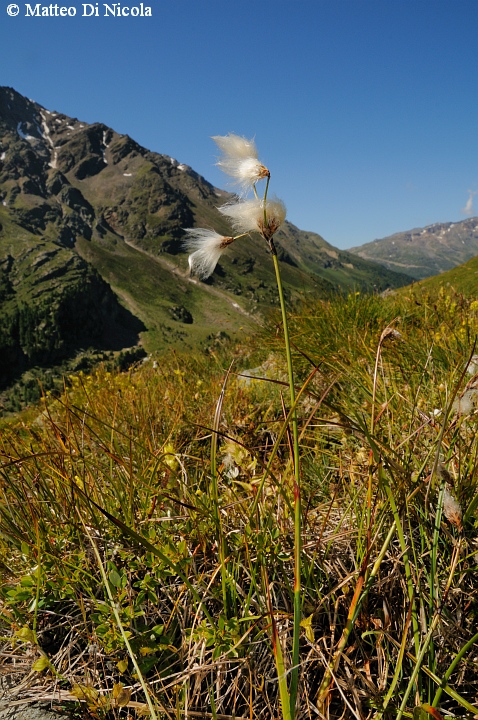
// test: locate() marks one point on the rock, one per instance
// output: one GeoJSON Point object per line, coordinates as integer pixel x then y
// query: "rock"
{"type": "Point", "coordinates": [31, 712]}
{"type": "Point", "coordinates": [181, 314]}
{"type": "Point", "coordinates": [14, 709]}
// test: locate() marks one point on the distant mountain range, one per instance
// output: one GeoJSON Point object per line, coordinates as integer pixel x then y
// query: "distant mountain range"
{"type": "Point", "coordinates": [425, 251]}
{"type": "Point", "coordinates": [91, 228]}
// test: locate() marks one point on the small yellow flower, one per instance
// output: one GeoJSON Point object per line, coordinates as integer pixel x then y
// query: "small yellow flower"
{"type": "Point", "coordinates": [169, 457]}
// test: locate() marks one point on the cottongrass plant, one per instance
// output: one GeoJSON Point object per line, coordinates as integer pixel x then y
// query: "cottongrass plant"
{"type": "Point", "coordinates": [263, 216]}
{"type": "Point", "coordinates": [109, 528]}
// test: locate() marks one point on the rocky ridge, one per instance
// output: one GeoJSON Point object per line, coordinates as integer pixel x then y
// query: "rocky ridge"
{"type": "Point", "coordinates": [427, 251]}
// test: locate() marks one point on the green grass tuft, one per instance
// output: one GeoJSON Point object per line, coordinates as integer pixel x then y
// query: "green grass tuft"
{"type": "Point", "coordinates": [113, 479]}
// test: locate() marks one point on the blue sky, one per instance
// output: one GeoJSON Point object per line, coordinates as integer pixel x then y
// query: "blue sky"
{"type": "Point", "coordinates": [365, 111]}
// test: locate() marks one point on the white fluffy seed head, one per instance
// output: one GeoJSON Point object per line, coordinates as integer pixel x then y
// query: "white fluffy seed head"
{"type": "Point", "coordinates": [240, 160]}
{"type": "Point", "coordinates": [473, 365]}
{"type": "Point", "coordinates": [248, 216]}
{"type": "Point", "coordinates": [467, 402]}
{"type": "Point", "coordinates": [207, 247]}
{"type": "Point", "coordinates": [235, 146]}
{"type": "Point", "coordinates": [452, 509]}
{"type": "Point", "coordinates": [243, 215]}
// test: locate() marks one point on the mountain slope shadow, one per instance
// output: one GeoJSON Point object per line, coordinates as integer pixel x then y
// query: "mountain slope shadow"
{"type": "Point", "coordinates": [84, 315]}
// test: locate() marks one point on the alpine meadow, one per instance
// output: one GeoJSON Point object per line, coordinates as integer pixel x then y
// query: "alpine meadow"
{"type": "Point", "coordinates": [245, 485]}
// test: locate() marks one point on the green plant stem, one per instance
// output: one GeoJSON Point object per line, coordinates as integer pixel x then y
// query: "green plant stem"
{"type": "Point", "coordinates": [120, 625]}
{"type": "Point", "coordinates": [398, 667]}
{"type": "Point", "coordinates": [265, 200]}
{"type": "Point", "coordinates": [221, 544]}
{"type": "Point", "coordinates": [428, 638]}
{"type": "Point", "coordinates": [360, 594]}
{"type": "Point", "coordinates": [406, 558]}
{"type": "Point", "coordinates": [332, 666]}
{"type": "Point", "coordinates": [433, 601]}
{"type": "Point", "coordinates": [294, 679]}
{"type": "Point", "coordinates": [452, 667]}
{"type": "Point", "coordinates": [267, 471]}
{"type": "Point", "coordinates": [38, 579]}
{"type": "Point", "coordinates": [451, 692]}
{"type": "Point", "coordinates": [279, 658]}
{"type": "Point", "coordinates": [142, 541]}
{"type": "Point", "coordinates": [416, 669]}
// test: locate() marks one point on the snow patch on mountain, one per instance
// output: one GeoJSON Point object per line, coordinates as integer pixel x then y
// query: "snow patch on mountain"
{"type": "Point", "coordinates": [46, 134]}
{"type": "Point", "coordinates": [22, 134]}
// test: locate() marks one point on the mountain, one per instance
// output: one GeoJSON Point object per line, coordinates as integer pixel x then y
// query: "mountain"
{"type": "Point", "coordinates": [91, 228]}
{"type": "Point", "coordinates": [424, 251]}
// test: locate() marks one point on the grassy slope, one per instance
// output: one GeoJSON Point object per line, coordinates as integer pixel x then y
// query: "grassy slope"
{"type": "Point", "coordinates": [462, 279]}
{"type": "Point", "coordinates": [41, 266]}
{"type": "Point", "coordinates": [339, 267]}
{"type": "Point", "coordinates": [377, 448]}
{"type": "Point", "coordinates": [149, 289]}
{"type": "Point", "coordinates": [150, 285]}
